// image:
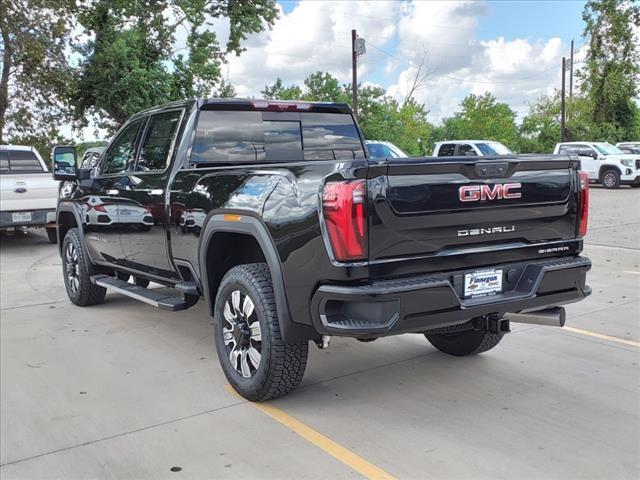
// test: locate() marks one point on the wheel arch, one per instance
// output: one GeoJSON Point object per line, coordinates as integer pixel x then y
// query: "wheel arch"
{"type": "Point", "coordinates": [67, 218]}
{"type": "Point", "coordinates": [252, 242]}
{"type": "Point", "coordinates": [604, 168]}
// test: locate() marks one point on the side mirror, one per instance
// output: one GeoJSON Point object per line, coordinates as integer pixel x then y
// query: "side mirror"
{"type": "Point", "coordinates": [64, 162]}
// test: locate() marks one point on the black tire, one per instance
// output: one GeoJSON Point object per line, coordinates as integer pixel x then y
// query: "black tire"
{"type": "Point", "coordinates": [141, 282]}
{"type": "Point", "coordinates": [635, 185]}
{"type": "Point", "coordinates": [280, 366]}
{"type": "Point", "coordinates": [610, 179]}
{"type": "Point", "coordinates": [461, 344]}
{"type": "Point", "coordinates": [52, 235]}
{"type": "Point", "coordinates": [76, 270]}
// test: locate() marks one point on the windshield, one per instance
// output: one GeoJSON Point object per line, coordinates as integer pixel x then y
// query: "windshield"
{"type": "Point", "coordinates": [493, 148]}
{"type": "Point", "coordinates": [607, 149]}
{"type": "Point", "coordinates": [381, 150]}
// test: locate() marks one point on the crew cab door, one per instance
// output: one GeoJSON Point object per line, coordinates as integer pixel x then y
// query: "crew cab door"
{"type": "Point", "coordinates": [101, 197]}
{"type": "Point", "coordinates": [143, 213]}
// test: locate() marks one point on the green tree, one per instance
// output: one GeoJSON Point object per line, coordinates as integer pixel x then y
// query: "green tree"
{"type": "Point", "coordinates": [324, 87]}
{"type": "Point", "coordinates": [130, 63]}
{"type": "Point", "coordinates": [277, 91]}
{"type": "Point", "coordinates": [35, 77]}
{"type": "Point", "coordinates": [482, 117]}
{"type": "Point", "coordinates": [612, 74]}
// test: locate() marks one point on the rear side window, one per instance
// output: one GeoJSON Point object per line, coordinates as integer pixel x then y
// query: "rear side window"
{"type": "Point", "coordinates": [158, 140]}
{"type": "Point", "coordinates": [330, 136]}
{"type": "Point", "coordinates": [447, 150]}
{"type": "Point", "coordinates": [254, 136]}
{"type": "Point", "coordinates": [19, 161]}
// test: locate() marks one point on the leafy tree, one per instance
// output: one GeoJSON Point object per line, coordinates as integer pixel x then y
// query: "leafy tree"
{"type": "Point", "coordinates": [35, 77]}
{"type": "Point", "coordinates": [130, 63]}
{"type": "Point", "coordinates": [278, 91]}
{"type": "Point", "coordinates": [323, 87]}
{"type": "Point", "coordinates": [612, 73]}
{"type": "Point", "coordinates": [482, 117]}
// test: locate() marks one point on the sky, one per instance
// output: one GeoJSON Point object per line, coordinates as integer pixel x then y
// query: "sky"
{"type": "Point", "coordinates": [512, 49]}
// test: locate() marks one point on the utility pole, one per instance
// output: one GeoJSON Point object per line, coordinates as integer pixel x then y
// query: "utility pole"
{"type": "Point", "coordinates": [563, 107]}
{"type": "Point", "coordinates": [354, 70]}
{"type": "Point", "coordinates": [571, 74]}
{"type": "Point", "coordinates": [358, 47]}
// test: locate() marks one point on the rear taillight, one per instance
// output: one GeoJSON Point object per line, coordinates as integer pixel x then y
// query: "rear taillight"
{"type": "Point", "coordinates": [97, 208]}
{"type": "Point", "coordinates": [583, 204]}
{"type": "Point", "coordinates": [343, 207]}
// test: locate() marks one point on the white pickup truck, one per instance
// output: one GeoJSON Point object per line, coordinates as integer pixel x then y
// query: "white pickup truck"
{"type": "Point", "coordinates": [28, 193]}
{"type": "Point", "coordinates": [605, 163]}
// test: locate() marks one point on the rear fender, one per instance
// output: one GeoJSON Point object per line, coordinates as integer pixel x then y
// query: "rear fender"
{"type": "Point", "coordinates": [248, 225]}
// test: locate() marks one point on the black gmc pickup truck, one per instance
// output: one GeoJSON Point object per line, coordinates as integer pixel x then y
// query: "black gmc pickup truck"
{"type": "Point", "coordinates": [274, 213]}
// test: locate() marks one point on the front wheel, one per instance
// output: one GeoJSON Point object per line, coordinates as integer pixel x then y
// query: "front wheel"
{"type": "Point", "coordinates": [256, 361]}
{"type": "Point", "coordinates": [611, 179]}
{"type": "Point", "coordinates": [76, 270]}
{"type": "Point", "coordinates": [461, 344]}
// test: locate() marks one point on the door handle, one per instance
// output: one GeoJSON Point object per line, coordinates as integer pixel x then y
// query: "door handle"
{"type": "Point", "coordinates": [156, 191]}
{"type": "Point", "coordinates": [113, 192]}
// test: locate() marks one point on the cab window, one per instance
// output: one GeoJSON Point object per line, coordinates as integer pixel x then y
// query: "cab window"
{"type": "Point", "coordinates": [122, 151]}
{"type": "Point", "coordinates": [447, 150]}
{"type": "Point", "coordinates": [466, 149]}
{"type": "Point", "coordinates": [158, 141]}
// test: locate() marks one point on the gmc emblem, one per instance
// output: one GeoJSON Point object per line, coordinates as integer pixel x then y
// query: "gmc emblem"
{"type": "Point", "coordinates": [481, 193]}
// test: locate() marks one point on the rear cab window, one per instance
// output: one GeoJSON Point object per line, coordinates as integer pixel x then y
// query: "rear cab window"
{"type": "Point", "coordinates": [20, 161]}
{"type": "Point", "coordinates": [447, 150]}
{"type": "Point", "coordinates": [224, 136]}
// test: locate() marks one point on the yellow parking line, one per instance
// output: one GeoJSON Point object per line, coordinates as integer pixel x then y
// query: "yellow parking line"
{"type": "Point", "coordinates": [601, 336]}
{"type": "Point", "coordinates": [344, 455]}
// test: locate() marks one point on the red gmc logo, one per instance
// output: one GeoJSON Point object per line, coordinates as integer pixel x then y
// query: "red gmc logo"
{"type": "Point", "coordinates": [481, 193]}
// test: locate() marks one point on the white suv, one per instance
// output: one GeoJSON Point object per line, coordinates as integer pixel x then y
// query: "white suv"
{"type": "Point", "coordinates": [604, 163]}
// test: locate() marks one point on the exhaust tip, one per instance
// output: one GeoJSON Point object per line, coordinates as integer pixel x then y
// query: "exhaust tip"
{"type": "Point", "coordinates": [550, 317]}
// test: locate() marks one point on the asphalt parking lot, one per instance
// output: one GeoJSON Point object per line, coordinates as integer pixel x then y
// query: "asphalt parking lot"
{"type": "Point", "coordinates": [122, 390]}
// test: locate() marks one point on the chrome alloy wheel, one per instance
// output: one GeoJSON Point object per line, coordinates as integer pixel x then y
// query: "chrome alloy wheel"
{"type": "Point", "coordinates": [609, 179]}
{"type": "Point", "coordinates": [72, 267]}
{"type": "Point", "coordinates": [241, 333]}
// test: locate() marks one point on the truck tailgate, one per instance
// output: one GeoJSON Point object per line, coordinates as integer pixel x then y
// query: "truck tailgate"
{"type": "Point", "coordinates": [434, 206]}
{"type": "Point", "coordinates": [32, 191]}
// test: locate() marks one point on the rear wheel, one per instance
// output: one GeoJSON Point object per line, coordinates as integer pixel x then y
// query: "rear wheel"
{"type": "Point", "coordinates": [461, 344]}
{"type": "Point", "coordinates": [77, 271]}
{"type": "Point", "coordinates": [610, 179]}
{"type": "Point", "coordinates": [256, 361]}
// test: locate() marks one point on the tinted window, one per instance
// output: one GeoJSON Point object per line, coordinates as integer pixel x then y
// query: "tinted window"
{"type": "Point", "coordinates": [466, 149]}
{"type": "Point", "coordinates": [226, 136]}
{"type": "Point", "coordinates": [447, 150]}
{"type": "Point", "coordinates": [330, 136]}
{"type": "Point", "coordinates": [282, 141]}
{"type": "Point", "coordinates": [20, 161]}
{"type": "Point", "coordinates": [158, 139]}
{"type": "Point", "coordinates": [244, 137]}
{"type": "Point", "coordinates": [122, 151]}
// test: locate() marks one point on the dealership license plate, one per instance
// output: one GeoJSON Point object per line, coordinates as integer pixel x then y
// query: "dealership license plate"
{"type": "Point", "coordinates": [21, 217]}
{"type": "Point", "coordinates": [486, 282]}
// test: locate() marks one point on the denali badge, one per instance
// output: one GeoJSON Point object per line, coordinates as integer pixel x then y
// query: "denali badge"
{"type": "Point", "coordinates": [486, 231]}
{"type": "Point", "coordinates": [477, 193]}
